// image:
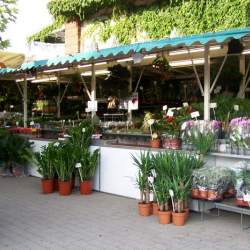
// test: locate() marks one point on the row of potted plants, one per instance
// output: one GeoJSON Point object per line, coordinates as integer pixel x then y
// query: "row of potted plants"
{"type": "Point", "coordinates": [67, 159]}
{"type": "Point", "coordinates": [168, 177]}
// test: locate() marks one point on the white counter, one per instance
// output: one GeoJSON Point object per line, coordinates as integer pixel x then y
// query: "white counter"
{"type": "Point", "coordinates": [116, 173]}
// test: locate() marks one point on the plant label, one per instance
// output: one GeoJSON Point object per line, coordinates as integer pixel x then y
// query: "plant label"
{"type": "Point", "coordinates": [92, 106]}
{"type": "Point", "coordinates": [195, 114]}
{"type": "Point", "coordinates": [185, 104]}
{"type": "Point", "coordinates": [213, 105]}
{"type": "Point", "coordinates": [170, 113]}
{"type": "Point", "coordinates": [236, 107]}
{"type": "Point", "coordinates": [165, 107]}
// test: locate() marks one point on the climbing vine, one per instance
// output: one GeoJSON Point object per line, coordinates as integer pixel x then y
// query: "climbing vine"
{"type": "Point", "coordinates": [127, 21]}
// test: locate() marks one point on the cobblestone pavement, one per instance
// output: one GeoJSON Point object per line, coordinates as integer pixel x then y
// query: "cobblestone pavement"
{"type": "Point", "coordinates": [30, 220]}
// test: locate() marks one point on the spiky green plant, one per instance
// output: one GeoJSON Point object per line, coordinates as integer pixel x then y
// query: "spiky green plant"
{"type": "Point", "coordinates": [89, 163]}
{"type": "Point", "coordinates": [46, 161]}
{"type": "Point", "coordinates": [144, 165]}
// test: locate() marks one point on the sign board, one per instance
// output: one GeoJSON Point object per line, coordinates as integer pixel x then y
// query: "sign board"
{"type": "Point", "coordinates": [92, 106]}
{"type": "Point", "coordinates": [213, 105]}
{"type": "Point", "coordinates": [195, 114]}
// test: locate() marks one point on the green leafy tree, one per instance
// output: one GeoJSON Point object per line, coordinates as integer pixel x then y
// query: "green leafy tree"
{"type": "Point", "coordinates": [7, 14]}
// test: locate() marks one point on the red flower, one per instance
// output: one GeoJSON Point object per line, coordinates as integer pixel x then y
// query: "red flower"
{"type": "Point", "coordinates": [170, 119]}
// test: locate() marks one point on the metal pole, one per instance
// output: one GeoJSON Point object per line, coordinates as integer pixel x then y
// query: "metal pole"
{"type": "Point", "coordinates": [206, 84]}
{"type": "Point", "coordinates": [130, 90]}
{"type": "Point", "coordinates": [93, 88]}
{"type": "Point", "coordinates": [25, 102]}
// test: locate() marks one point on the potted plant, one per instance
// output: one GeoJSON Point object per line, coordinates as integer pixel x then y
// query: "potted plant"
{"type": "Point", "coordinates": [162, 185]}
{"type": "Point", "coordinates": [144, 165]}
{"type": "Point", "coordinates": [15, 152]}
{"type": "Point", "coordinates": [151, 124]}
{"type": "Point", "coordinates": [180, 191]}
{"type": "Point", "coordinates": [64, 168]}
{"type": "Point", "coordinates": [170, 126]}
{"type": "Point", "coordinates": [86, 167]}
{"type": "Point", "coordinates": [46, 168]}
{"type": "Point", "coordinates": [202, 142]}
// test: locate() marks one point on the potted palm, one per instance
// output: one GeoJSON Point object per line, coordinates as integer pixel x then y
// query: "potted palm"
{"type": "Point", "coordinates": [180, 190]}
{"type": "Point", "coordinates": [162, 185]}
{"type": "Point", "coordinates": [86, 167]}
{"type": "Point", "coordinates": [144, 165]}
{"type": "Point", "coordinates": [46, 168]}
{"type": "Point", "coordinates": [64, 168]}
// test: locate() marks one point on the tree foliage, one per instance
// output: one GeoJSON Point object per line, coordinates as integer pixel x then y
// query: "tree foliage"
{"type": "Point", "coordinates": [7, 14]}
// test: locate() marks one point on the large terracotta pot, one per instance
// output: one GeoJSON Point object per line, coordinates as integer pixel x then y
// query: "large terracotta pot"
{"type": "Point", "coordinates": [164, 217]}
{"type": "Point", "coordinates": [64, 187]}
{"type": "Point", "coordinates": [155, 208]}
{"type": "Point", "coordinates": [47, 186]}
{"type": "Point", "coordinates": [145, 209]}
{"type": "Point", "coordinates": [156, 143]}
{"type": "Point", "coordinates": [179, 218]}
{"type": "Point", "coordinates": [86, 187]}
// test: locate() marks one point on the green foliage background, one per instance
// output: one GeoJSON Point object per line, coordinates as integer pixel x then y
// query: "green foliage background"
{"type": "Point", "coordinates": [7, 14]}
{"type": "Point", "coordinates": [157, 20]}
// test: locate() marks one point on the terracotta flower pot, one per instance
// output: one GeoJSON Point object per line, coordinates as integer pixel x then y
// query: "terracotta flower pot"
{"type": "Point", "coordinates": [178, 218]}
{"type": "Point", "coordinates": [145, 209]}
{"type": "Point", "coordinates": [86, 187]}
{"type": "Point", "coordinates": [155, 208]}
{"type": "Point", "coordinates": [186, 210]}
{"type": "Point", "coordinates": [167, 143]}
{"type": "Point", "coordinates": [47, 186]}
{"type": "Point", "coordinates": [164, 217]}
{"type": "Point", "coordinates": [56, 185]}
{"type": "Point", "coordinates": [214, 195]}
{"type": "Point", "coordinates": [195, 193]}
{"type": "Point", "coordinates": [176, 144]}
{"type": "Point", "coordinates": [64, 187]}
{"type": "Point", "coordinates": [203, 194]}
{"type": "Point", "coordinates": [156, 143]}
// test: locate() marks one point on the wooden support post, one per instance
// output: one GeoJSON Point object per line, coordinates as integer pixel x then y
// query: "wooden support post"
{"type": "Point", "coordinates": [93, 88]}
{"type": "Point", "coordinates": [206, 84]}
{"type": "Point", "coordinates": [242, 64]}
{"type": "Point", "coordinates": [58, 98]}
{"type": "Point", "coordinates": [25, 102]}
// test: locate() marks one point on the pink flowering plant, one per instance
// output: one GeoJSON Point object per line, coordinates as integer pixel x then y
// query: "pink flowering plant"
{"type": "Point", "coordinates": [239, 131]}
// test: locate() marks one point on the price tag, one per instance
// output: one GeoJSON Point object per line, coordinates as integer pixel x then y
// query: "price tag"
{"type": "Point", "coordinates": [185, 104]}
{"type": "Point", "coordinates": [236, 107]}
{"type": "Point", "coordinates": [195, 114]}
{"type": "Point", "coordinates": [165, 107]}
{"type": "Point", "coordinates": [170, 113]}
{"type": "Point", "coordinates": [213, 105]}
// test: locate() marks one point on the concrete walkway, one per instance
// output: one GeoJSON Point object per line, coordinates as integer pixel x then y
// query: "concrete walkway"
{"type": "Point", "coordinates": [30, 220]}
